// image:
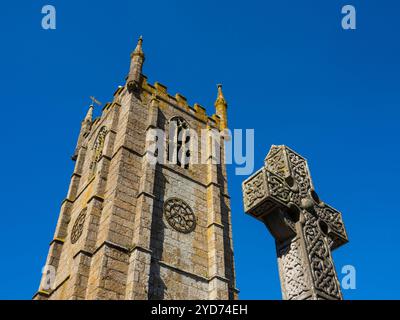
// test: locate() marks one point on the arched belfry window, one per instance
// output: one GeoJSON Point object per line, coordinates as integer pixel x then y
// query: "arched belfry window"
{"type": "Point", "coordinates": [97, 150]}
{"type": "Point", "coordinates": [179, 142]}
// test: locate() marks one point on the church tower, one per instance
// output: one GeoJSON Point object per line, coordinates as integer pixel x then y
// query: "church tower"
{"type": "Point", "coordinates": [129, 229]}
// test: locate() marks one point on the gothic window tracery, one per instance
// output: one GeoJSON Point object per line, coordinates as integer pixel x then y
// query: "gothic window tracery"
{"type": "Point", "coordinates": [97, 150]}
{"type": "Point", "coordinates": [179, 138]}
{"type": "Point", "coordinates": [77, 229]}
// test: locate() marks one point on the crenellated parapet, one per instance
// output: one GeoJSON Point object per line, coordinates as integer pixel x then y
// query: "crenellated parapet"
{"type": "Point", "coordinates": [180, 101]}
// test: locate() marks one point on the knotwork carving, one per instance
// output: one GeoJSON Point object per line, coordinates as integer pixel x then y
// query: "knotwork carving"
{"type": "Point", "coordinates": [278, 187]}
{"type": "Point", "coordinates": [300, 172]}
{"type": "Point", "coordinates": [289, 206]}
{"type": "Point", "coordinates": [294, 278]}
{"type": "Point", "coordinates": [275, 162]}
{"type": "Point", "coordinates": [322, 269]}
{"type": "Point", "coordinates": [333, 218]}
{"type": "Point", "coordinates": [254, 190]}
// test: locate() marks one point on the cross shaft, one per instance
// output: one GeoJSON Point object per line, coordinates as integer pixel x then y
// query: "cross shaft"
{"type": "Point", "coordinates": [306, 230]}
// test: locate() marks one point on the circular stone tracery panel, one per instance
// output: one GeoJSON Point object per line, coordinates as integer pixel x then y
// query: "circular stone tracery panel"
{"type": "Point", "coordinates": [77, 229]}
{"type": "Point", "coordinates": [179, 215]}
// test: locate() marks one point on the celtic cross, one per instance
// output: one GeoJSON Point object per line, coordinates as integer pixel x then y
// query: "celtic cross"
{"type": "Point", "coordinates": [305, 229]}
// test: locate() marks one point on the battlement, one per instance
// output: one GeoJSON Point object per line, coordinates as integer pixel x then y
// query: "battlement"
{"type": "Point", "coordinates": [179, 100]}
{"type": "Point", "coordinates": [160, 91]}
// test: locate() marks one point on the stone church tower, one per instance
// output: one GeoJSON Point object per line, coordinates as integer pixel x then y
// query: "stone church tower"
{"type": "Point", "coordinates": [131, 230]}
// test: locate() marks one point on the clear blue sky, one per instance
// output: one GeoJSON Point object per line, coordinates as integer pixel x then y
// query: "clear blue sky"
{"type": "Point", "coordinates": [289, 71]}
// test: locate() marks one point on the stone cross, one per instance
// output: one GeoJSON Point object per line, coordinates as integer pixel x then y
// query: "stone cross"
{"type": "Point", "coordinates": [306, 230]}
